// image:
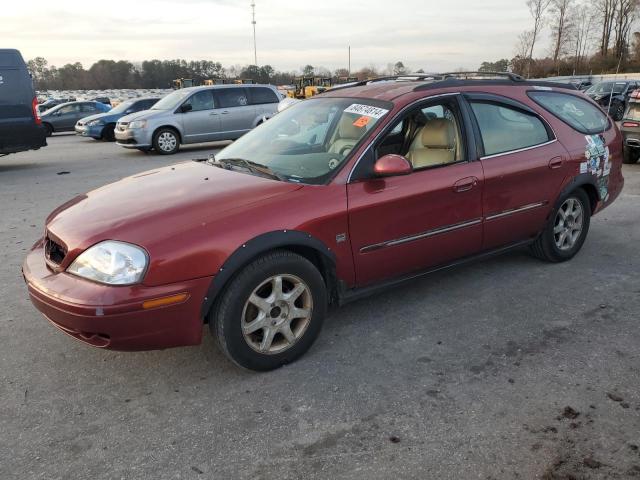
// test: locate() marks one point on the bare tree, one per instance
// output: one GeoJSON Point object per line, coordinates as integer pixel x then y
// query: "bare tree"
{"type": "Point", "coordinates": [582, 36]}
{"type": "Point", "coordinates": [606, 10]}
{"type": "Point", "coordinates": [537, 8]}
{"type": "Point", "coordinates": [625, 12]}
{"type": "Point", "coordinates": [561, 25]}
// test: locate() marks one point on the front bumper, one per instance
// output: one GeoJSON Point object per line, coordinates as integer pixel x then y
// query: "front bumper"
{"type": "Point", "coordinates": [113, 317]}
{"type": "Point", "coordinates": [132, 138]}
{"type": "Point", "coordinates": [86, 131]}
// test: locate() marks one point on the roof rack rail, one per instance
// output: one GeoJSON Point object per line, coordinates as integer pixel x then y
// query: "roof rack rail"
{"type": "Point", "coordinates": [514, 77]}
{"type": "Point", "coordinates": [408, 77]}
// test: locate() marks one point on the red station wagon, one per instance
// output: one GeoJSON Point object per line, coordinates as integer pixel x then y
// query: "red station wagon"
{"type": "Point", "coordinates": [335, 197]}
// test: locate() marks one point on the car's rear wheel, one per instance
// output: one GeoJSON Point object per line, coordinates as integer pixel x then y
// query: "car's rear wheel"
{"type": "Point", "coordinates": [166, 142]}
{"type": "Point", "coordinates": [48, 129]}
{"type": "Point", "coordinates": [271, 312]}
{"type": "Point", "coordinates": [108, 133]}
{"type": "Point", "coordinates": [630, 155]}
{"type": "Point", "coordinates": [566, 229]}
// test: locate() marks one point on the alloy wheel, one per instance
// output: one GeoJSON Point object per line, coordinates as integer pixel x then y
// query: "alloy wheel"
{"type": "Point", "coordinates": [167, 141]}
{"type": "Point", "coordinates": [568, 224]}
{"type": "Point", "coordinates": [277, 314]}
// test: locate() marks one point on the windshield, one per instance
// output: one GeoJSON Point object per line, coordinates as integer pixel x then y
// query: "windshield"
{"type": "Point", "coordinates": [172, 100]}
{"type": "Point", "coordinates": [122, 107]}
{"type": "Point", "coordinates": [308, 141]}
{"type": "Point", "coordinates": [605, 88]}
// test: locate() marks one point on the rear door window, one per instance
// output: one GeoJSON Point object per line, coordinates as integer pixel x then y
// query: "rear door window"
{"type": "Point", "coordinates": [580, 114]}
{"type": "Point", "coordinates": [505, 129]}
{"type": "Point", "coordinates": [231, 97]}
{"type": "Point", "coordinates": [261, 95]}
{"type": "Point", "coordinates": [88, 107]}
{"type": "Point", "coordinates": [69, 109]}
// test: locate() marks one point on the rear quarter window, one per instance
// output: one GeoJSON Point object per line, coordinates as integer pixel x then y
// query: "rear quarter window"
{"type": "Point", "coordinates": [578, 113]}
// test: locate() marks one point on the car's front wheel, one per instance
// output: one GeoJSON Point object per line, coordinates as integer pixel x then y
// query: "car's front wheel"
{"type": "Point", "coordinates": [108, 133]}
{"type": "Point", "coordinates": [617, 111]}
{"type": "Point", "coordinates": [166, 142]}
{"type": "Point", "coordinates": [271, 312]}
{"type": "Point", "coordinates": [566, 229]}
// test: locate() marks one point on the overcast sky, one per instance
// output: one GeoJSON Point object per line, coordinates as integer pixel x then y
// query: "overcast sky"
{"type": "Point", "coordinates": [435, 35]}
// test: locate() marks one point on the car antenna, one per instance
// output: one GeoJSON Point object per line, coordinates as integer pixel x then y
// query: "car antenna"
{"type": "Point", "coordinates": [613, 84]}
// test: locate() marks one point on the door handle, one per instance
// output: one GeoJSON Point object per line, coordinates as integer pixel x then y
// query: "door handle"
{"type": "Point", "coordinates": [465, 184]}
{"type": "Point", "coordinates": [224, 112]}
{"type": "Point", "coordinates": [555, 163]}
{"type": "Point", "coordinates": [213, 113]}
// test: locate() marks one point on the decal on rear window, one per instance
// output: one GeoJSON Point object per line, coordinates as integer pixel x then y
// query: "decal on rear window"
{"type": "Point", "coordinates": [367, 110]}
{"type": "Point", "coordinates": [597, 164]}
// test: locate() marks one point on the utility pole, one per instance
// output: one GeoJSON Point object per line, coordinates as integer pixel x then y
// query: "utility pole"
{"type": "Point", "coordinates": [253, 21]}
{"type": "Point", "coordinates": [349, 67]}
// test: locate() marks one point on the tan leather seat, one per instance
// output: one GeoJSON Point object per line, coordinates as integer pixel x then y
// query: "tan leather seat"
{"type": "Point", "coordinates": [435, 144]}
{"type": "Point", "coordinates": [347, 136]}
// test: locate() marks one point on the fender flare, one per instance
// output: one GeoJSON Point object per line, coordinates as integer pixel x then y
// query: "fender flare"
{"type": "Point", "coordinates": [256, 246]}
{"type": "Point", "coordinates": [579, 181]}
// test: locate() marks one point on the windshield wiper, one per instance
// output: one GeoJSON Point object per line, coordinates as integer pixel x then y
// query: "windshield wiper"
{"type": "Point", "coordinates": [253, 167]}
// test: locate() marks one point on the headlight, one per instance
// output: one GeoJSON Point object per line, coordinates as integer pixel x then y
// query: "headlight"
{"type": "Point", "coordinates": [138, 124]}
{"type": "Point", "coordinates": [94, 123]}
{"type": "Point", "coordinates": [111, 262]}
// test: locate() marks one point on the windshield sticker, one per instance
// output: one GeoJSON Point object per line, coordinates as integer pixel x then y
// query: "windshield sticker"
{"type": "Point", "coordinates": [368, 110]}
{"type": "Point", "coordinates": [597, 164]}
{"type": "Point", "coordinates": [361, 122]}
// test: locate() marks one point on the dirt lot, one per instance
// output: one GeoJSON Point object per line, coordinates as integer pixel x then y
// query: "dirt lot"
{"type": "Point", "coordinates": [511, 368]}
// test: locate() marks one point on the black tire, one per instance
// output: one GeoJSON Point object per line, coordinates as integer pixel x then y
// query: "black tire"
{"type": "Point", "coordinates": [226, 318]}
{"type": "Point", "coordinates": [545, 246]}
{"type": "Point", "coordinates": [160, 139]}
{"type": "Point", "coordinates": [630, 155]}
{"type": "Point", "coordinates": [617, 111]}
{"type": "Point", "coordinates": [48, 129]}
{"type": "Point", "coordinates": [108, 133]}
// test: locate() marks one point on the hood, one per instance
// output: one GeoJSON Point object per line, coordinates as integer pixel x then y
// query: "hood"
{"type": "Point", "coordinates": [98, 116]}
{"type": "Point", "coordinates": [160, 206]}
{"type": "Point", "coordinates": [141, 115]}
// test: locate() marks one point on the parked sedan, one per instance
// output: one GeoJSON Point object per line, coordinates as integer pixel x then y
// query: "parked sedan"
{"type": "Point", "coordinates": [198, 114]}
{"type": "Point", "coordinates": [631, 129]}
{"type": "Point", "coordinates": [63, 118]}
{"type": "Point", "coordinates": [334, 198]}
{"type": "Point", "coordinates": [101, 126]}
{"type": "Point", "coordinates": [613, 95]}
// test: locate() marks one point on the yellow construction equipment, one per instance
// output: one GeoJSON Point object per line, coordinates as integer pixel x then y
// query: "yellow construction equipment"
{"type": "Point", "coordinates": [179, 83]}
{"type": "Point", "coordinates": [307, 87]}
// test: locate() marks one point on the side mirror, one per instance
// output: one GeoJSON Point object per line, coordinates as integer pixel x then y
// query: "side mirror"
{"type": "Point", "coordinates": [186, 107]}
{"type": "Point", "coordinates": [392, 165]}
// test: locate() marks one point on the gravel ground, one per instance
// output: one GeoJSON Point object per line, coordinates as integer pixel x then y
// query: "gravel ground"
{"type": "Point", "coordinates": [509, 368]}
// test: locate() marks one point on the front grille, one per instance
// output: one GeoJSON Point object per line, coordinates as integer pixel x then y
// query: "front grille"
{"type": "Point", "coordinates": [53, 251]}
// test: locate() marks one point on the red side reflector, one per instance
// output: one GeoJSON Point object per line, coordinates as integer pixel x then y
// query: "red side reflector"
{"type": "Point", "coordinates": [36, 113]}
{"type": "Point", "coordinates": [631, 124]}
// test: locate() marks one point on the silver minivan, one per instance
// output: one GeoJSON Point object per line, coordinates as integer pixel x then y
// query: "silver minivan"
{"type": "Point", "coordinates": [198, 114]}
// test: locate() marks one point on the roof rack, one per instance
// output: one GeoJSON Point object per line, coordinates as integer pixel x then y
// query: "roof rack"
{"type": "Point", "coordinates": [400, 78]}
{"type": "Point", "coordinates": [467, 75]}
{"type": "Point", "coordinates": [433, 80]}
